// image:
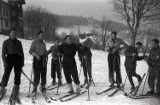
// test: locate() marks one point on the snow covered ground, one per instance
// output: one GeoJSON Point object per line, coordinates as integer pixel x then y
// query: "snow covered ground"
{"type": "Point", "coordinates": [100, 76]}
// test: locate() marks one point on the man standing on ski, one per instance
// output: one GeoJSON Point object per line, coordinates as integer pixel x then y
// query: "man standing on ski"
{"type": "Point", "coordinates": [132, 57]}
{"type": "Point", "coordinates": [39, 53]}
{"type": "Point", "coordinates": [55, 62]}
{"type": "Point", "coordinates": [113, 46]}
{"type": "Point", "coordinates": [154, 68]}
{"type": "Point", "coordinates": [69, 49]}
{"type": "Point", "coordinates": [12, 56]}
{"type": "Point", "coordinates": [85, 55]}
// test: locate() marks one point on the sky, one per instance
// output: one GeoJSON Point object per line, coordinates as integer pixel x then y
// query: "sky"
{"type": "Point", "coordinates": [87, 8]}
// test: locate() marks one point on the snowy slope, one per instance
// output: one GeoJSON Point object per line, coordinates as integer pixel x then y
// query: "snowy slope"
{"type": "Point", "coordinates": [100, 76]}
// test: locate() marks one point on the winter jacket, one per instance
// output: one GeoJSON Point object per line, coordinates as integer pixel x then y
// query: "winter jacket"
{"type": "Point", "coordinates": [116, 44]}
{"type": "Point", "coordinates": [12, 47]}
{"type": "Point", "coordinates": [85, 52]}
{"type": "Point", "coordinates": [132, 59]}
{"type": "Point", "coordinates": [154, 57]}
{"type": "Point", "coordinates": [38, 47]}
{"type": "Point", "coordinates": [69, 51]}
{"type": "Point", "coordinates": [54, 50]}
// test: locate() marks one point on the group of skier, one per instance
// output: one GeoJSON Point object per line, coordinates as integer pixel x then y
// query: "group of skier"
{"type": "Point", "coordinates": [63, 55]}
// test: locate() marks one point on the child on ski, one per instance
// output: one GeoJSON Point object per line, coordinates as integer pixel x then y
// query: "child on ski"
{"type": "Point", "coordinates": [85, 59]}
{"type": "Point", "coordinates": [55, 62]}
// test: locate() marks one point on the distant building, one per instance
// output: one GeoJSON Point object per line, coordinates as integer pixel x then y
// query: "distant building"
{"type": "Point", "coordinates": [11, 16]}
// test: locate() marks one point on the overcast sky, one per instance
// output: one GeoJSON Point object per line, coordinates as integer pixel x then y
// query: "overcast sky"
{"type": "Point", "coordinates": [95, 8]}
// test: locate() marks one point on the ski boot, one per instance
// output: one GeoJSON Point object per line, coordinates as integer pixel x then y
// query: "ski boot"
{"type": "Point", "coordinates": [85, 82]}
{"type": "Point", "coordinates": [151, 92]}
{"type": "Point", "coordinates": [71, 91]}
{"type": "Point", "coordinates": [78, 89]}
{"type": "Point", "coordinates": [2, 92]}
{"type": "Point", "coordinates": [14, 95]}
{"type": "Point", "coordinates": [43, 89]}
{"type": "Point", "coordinates": [89, 84]}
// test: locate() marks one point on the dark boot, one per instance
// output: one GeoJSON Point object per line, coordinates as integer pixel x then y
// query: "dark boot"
{"type": "Point", "coordinates": [2, 91]}
{"type": "Point", "coordinates": [151, 92]}
{"type": "Point", "coordinates": [43, 89]}
{"type": "Point", "coordinates": [132, 88]}
{"type": "Point", "coordinates": [139, 79]}
{"type": "Point", "coordinates": [53, 82]}
{"type": "Point", "coordinates": [15, 92]}
{"type": "Point", "coordinates": [157, 93]}
{"type": "Point", "coordinates": [112, 85]}
{"type": "Point", "coordinates": [34, 90]}
{"type": "Point", "coordinates": [59, 82]}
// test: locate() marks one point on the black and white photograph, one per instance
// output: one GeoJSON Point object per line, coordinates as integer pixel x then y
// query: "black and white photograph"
{"type": "Point", "coordinates": [79, 52]}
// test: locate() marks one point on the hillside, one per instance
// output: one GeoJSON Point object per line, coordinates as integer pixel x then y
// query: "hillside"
{"type": "Point", "coordinates": [68, 21]}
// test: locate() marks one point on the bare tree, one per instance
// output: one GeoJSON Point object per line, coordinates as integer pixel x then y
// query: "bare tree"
{"type": "Point", "coordinates": [104, 25]}
{"type": "Point", "coordinates": [136, 12]}
{"type": "Point", "coordinates": [37, 18]}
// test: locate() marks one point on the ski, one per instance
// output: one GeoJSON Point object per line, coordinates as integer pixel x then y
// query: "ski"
{"type": "Point", "coordinates": [51, 86]}
{"type": "Point", "coordinates": [136, 90]}
{"type": "Point", "coordinates": [55, 87]}
{"type": "Point", "coordinates": [141, 96]}
{"type": "Point", "coordinates": [60, 98]}
{"type": "Point", "coordinates": [18, 101]}
{"type": "Point", "coordinates": [106, 90]}
{"type": "Point", "coordinates": [2, 94]}
{"type": "Point", "coordinates": [73, 97]}
{"type": "Point", "coordinates": [34, 97]}
{"type": "Point", "coordinates": [13, 102]}
{"type": "Point", "coordinates": [114, 92]}
{"type": "Point", "coordinates": [127, 94]}
{"type": "Point", "coordinates": [46, 97]}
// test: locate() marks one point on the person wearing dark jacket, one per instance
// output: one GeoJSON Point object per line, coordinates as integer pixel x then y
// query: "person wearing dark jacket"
{"type": "Point", "coordinates": [132, 57]}
{"type": "Point", "coordinates": [55, 62]}
{"type": "Point", "coordinates": [153, 61]}
{"type": "Point", "coordinates": [39, 53]}
{"type": "Point", "coordinates": [68, 51]}
{"type": "Point", "coordinates": [85, 55]}
{"type": "Point", "coordinates": [113, 46]}
{"type": "Point", "coordinates": [12, 56]}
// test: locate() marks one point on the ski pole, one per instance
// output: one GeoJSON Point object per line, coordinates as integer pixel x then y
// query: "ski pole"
{"type": "Point", "coordinates": [60, 68]}
{"type": "Point", "coordinates": [145, 82]}
{"type": "Point", "coordinates": [27, 77]}
{"type": "Point", "coordinates": [30, 82]}
{"type": "Point", "coordinates": [88, 94]}
{"type": "Point", "coordinates": [128, 72]}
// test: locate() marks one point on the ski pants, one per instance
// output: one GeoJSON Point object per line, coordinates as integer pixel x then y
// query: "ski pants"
{"type": "Point", "coordinates": [13, 60]}
{"type": "Point", "coordinates": [154, 73]}
{"type": "Point", "coordinates": [114, 66]}
{"type": "Point", "coordinates": [86, 63]}
{"type": "Point", "coordinates": [131, 71]}
{"type": "Point", "coordinates": [70, 70]}
{"type": "Point", "coordinates": [55, 69]}
{"type": "Point", "coordinates": [39, 71]}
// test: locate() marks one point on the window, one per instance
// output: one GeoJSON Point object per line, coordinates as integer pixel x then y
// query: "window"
{"type": "Point", "coordinates": [7, 13]}
{"type": "Point", "coordinates": [4, 13]}
{"type": "Point", "coordinates": [6, 23]}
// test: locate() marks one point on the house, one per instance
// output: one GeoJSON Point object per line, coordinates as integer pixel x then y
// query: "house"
{"type": "Point", "coordinates": [11, 16]}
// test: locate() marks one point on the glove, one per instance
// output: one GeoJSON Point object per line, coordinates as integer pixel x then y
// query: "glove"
{"type": "Point", "coordinates": [5, 64]}
{"type": "Point", "coordinates": [152, 63]}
